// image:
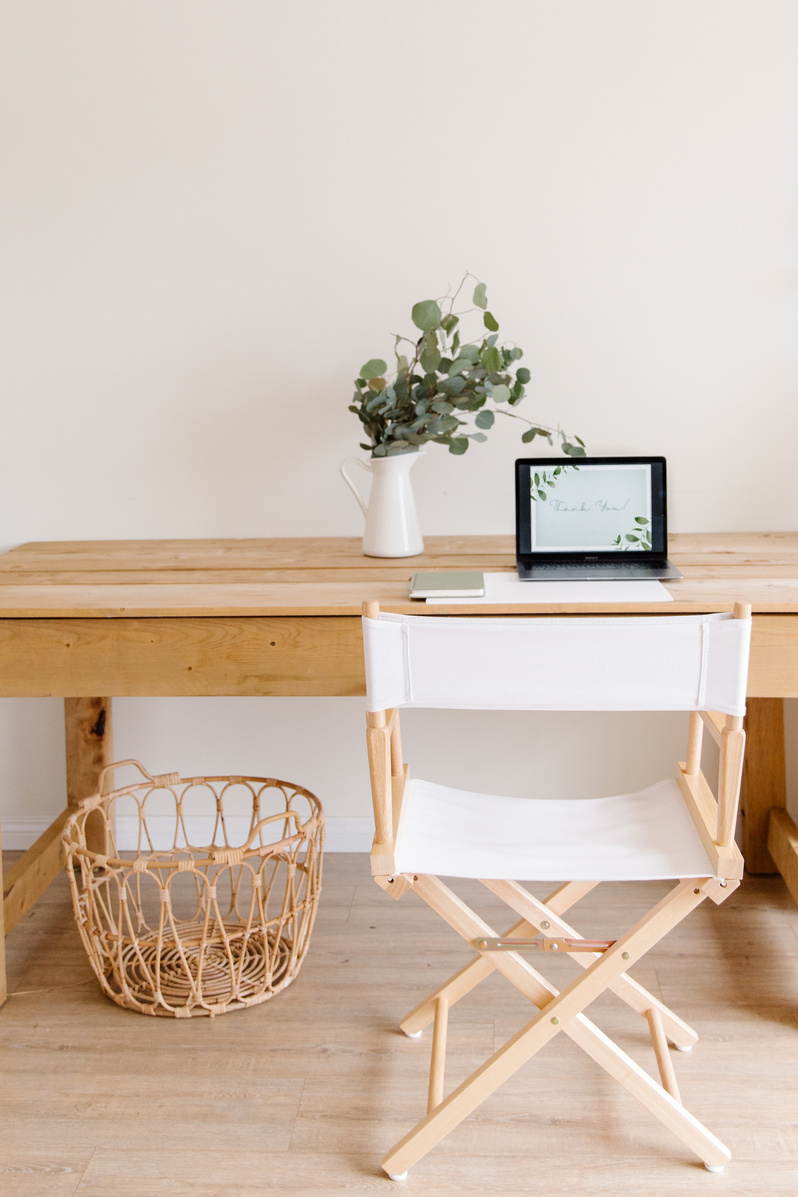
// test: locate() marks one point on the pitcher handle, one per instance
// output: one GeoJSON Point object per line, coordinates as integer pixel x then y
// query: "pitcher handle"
{"type": "Point", "coordinates": [358, 461]}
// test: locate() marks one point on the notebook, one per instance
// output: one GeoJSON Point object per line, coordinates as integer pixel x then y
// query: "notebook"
{"type": "Point", "coordinates": [586, 518]}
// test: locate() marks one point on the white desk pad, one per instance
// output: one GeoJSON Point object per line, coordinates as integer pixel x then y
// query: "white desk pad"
{"type": "Point", "coordinates": [508, 588]}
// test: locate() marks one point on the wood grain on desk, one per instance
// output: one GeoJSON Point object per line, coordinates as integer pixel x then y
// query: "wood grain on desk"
{"type": "Point", "coordinates": [331, 576]}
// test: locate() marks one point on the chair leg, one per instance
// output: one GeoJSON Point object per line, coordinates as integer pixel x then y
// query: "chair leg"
{"type": "Point", "coordinates": [664, 1062]}
{"type": "Point", "coordinates": [457, 986]}
{"type": "Point", "coordinates": [438, 1060]}
{"type": "Point", "coordinates": [636, 996]}
{"type": "Point", "coordinates": [559, 1012]}
{"type": "Point", "coordinates": [538, 914]}
{"type": "Point", "coordinates": [468, 977]}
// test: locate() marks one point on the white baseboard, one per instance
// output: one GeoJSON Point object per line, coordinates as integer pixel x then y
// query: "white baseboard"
{"type": "Point", "coordinates": [343, 834]}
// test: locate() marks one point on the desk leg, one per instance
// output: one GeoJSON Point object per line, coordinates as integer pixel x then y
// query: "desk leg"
{"type": "Point", "coordinates": [3, 980]}
{"type": "Point", "coordinates": [89, 748]}
{"type": "Point", "coordinates": [764, 782]}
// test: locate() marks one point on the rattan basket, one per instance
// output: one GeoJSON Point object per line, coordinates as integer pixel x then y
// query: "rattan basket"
{"type": "Point", "coordinates": [212, 907]}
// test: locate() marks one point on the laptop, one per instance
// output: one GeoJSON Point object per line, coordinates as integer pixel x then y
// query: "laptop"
{"type": "Point", "coordinates": [586, 518]}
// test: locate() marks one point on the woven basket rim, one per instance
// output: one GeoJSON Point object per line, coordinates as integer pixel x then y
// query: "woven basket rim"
{"type": "Point", "coordinates": [201, 853]}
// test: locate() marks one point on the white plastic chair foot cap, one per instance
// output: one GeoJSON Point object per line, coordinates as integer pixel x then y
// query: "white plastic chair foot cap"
{"type": "Point", "coordinates": [413, 1035]}
{"type": "Point", "coordinates": [709, 1167]}
{"type": "Point", "coordinates": [398, 1175]}
{"type": "Point", "coordinates": [688, 1047]}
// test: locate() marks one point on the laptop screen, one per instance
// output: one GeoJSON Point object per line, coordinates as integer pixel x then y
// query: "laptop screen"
{"type": "Point", "coordinates": [590, 507]}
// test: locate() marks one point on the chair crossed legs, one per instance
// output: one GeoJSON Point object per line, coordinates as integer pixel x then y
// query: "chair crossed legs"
{"type": "Point", "coordinates": [417, 827]}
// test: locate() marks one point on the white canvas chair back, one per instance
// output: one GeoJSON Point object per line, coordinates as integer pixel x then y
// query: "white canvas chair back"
{"type": "Point", "coordinates": [682, 662]}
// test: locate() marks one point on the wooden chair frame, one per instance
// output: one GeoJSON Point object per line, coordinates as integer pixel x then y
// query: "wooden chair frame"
{"type": "Point", "coordinates": [715, 819]}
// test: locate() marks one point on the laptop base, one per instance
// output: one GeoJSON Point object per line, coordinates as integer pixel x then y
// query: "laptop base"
{"type": "Point", "coordinates": [593, 571]}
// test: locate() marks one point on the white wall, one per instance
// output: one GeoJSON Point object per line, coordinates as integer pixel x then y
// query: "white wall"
{"type": "Point", "coordinates": [216, 210]}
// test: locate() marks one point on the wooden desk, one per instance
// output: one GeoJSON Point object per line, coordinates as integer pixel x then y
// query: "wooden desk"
{"type": "Point", "coordinates": [84, 620]}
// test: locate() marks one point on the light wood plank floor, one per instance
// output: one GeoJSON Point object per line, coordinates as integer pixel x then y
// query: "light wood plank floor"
{"type": "Point", "coordinates": [303, 1094]}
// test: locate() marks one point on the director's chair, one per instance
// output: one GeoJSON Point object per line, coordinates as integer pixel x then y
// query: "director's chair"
{"type": "Point", "coordinates": [675, 829]}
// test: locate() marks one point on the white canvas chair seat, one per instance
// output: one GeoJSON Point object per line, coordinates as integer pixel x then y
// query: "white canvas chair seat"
{"type": "Point", "coordinates": [645, 836]}
{"type": "Point", "coordinates": [675, 829]}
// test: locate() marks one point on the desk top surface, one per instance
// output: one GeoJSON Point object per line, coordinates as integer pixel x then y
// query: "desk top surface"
{"type": "Point", "coordinates": [331, 576]}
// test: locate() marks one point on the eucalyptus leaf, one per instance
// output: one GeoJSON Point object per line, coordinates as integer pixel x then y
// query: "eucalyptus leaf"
{"type": "Point", "coordinates": [485, 419]}
{"type": "Point", "coordinates": [446, 424]}
{"type": "Point", "coordinates": [501, 393]}
{"type": "Point", "coordinates": [523, 374]}
{"type": "Point", "coordinates": [373, 369]}
{"type": "Point", "coordinates": [430, 359]}
{"type": "Point", "coordinates": [480, 299]}
{"type": "Point", "coordinates": [490, 322]}
{"type": "Point", "coordinates": [453, 386]}
{"type": "Point", "coordinates": [491, 358]}
{"type": "Point", "coordinates": [458, 445]}
{"type": "Point", "coordinates": [477, 436]}
{"type": "Point", "coordinates": [426, 315]}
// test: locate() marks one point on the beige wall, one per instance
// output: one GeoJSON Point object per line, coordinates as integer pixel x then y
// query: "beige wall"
{"type": "Point", "coordinates": [215, 210]}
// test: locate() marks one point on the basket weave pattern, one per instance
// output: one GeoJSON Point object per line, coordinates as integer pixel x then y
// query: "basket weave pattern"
{"type": "Point", "coordinates": [179, 930]}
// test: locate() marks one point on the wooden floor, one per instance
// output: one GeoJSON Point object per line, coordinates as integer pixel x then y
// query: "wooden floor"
{"type": "Point", "coordinates": [303, 1094]}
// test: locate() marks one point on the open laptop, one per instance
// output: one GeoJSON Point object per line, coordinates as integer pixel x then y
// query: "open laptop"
{"type": "Point", "coordinates": [585, 518]}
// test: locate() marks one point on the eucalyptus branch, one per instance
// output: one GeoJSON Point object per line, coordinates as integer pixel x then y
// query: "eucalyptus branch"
{"type": "Point", "coordinates": [401, 415]}
{"type": "Point", "coordinates": [461, 284]}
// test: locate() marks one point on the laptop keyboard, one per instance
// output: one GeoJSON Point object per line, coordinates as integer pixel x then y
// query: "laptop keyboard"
{"type": "Point", "coordinates": [622, 567]}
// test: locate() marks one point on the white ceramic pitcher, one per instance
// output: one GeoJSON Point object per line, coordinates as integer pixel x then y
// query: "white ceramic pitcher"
{"type": "Point", "coordinates": [391, 521]}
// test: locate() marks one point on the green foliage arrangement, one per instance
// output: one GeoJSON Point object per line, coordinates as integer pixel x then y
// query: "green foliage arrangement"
{"type": "Point", "coordinates": [445, 389]}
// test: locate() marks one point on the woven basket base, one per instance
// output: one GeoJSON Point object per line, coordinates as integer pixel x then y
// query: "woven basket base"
{"type": "Point", "coordinates": [194, 976]}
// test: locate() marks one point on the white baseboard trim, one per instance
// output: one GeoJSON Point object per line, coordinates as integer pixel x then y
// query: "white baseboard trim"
{"type": "Point", "coordinates": [19, 832]}
{"type": "Point", "coordinates": [343, 834]}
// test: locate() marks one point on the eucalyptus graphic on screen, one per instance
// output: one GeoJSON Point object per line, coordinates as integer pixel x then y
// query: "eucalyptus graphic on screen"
{"type": "Point", "coordinates": [639, 538]}
{"type": "Point", "coordinates": [448, 385]}
{"type": "Point", "coordinates": [542, 478]}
